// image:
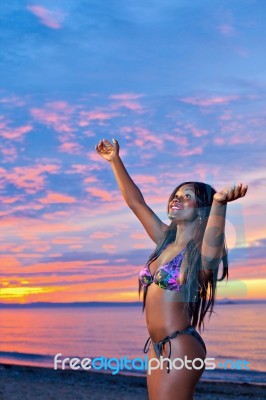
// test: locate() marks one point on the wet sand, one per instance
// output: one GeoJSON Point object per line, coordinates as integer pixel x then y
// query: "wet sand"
{"type": "Point", "coordinates": [33, 383]}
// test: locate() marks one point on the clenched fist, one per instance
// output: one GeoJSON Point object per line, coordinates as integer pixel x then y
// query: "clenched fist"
{"type": "Point", "coordinates": [107, 150]}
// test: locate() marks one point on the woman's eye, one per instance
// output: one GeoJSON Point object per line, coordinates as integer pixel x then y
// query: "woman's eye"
{"type": "Point", "coordinates": [188, 196]}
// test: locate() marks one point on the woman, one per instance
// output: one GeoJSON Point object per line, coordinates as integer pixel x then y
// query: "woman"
{"type": "Point", "coordinates": [179, 279]}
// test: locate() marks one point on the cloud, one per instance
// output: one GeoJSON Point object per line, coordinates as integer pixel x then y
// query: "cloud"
{"type": "Point", "coordinates": [13, 100]}
{"type": "Point", "coordinates": [208, 102]}
{"type": "Point", "coordinates": [98, 115]}
{"type": "Point", "coordinates": [32, 179]}
{"type": "Point", "coordinates": [127, 100]}
{"type": "Point", "coordinates": [130, 105]}
{"type": "Point", "coordinates": [57, 115]}
{"type": "Point", "coordinates": [50, 18]}
{"type": "Point", "coordinates": [145, 179]}
{"type": "Point", "coordinates": [196, 131]}
{"type": "Point", "coordinates": [70, 148]}
{"type": "Point", "coordinates": [9, 154]}
{"type": "Point", "coordinates": [83, 169]}
{"type": "Point", "coordinates": [146, 139]}
{"type": "Point", "coordinates": [137, 235]}
{"type": "Point", "coordinates": [177, 139]}
{"type": "Point", "coordinates": [109, 248]}
{"type": "Point", "coordinates": [53, 197]}
{"type": "Point", "coordinates": [11, 199]}
{"type": "Point", "coordinates": [13, 133]}
{"type": "Point", "coordinates": [101, 235]}
{"type": "Point", "coordinates": [126, 96]}
{"type": "Point", "coordinates": [190, 151]}
{"type": "Point", "coordinates": [101, 193]}
{"type": "Point", "coordinates": [9, 262]}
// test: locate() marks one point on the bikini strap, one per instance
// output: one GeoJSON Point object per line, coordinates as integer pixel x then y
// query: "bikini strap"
{"type": "Point", "coordinates": [145, 350]}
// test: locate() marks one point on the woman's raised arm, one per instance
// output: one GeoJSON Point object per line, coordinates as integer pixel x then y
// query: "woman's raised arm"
{"type": "Point", "coordinates": [213, 240]}
{"type": "Point", "coordinates": [131, 193]}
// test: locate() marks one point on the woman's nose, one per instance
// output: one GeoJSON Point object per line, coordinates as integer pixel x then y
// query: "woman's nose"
{"type": "Point", "coordinates": [177, 198]}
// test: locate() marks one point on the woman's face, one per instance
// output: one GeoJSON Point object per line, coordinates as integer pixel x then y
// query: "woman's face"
{"type": "Point", "coordinates": [184, 204]}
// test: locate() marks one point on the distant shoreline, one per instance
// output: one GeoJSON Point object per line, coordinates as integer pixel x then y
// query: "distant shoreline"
{"type": "Point", "coordinates": [114, 304]}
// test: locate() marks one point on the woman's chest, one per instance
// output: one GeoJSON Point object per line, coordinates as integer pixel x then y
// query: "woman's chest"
{"type": "Point", "coordinates": [167, 257]}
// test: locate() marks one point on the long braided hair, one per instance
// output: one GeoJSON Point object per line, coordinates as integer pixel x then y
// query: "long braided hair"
{"type": "Point", "coordinates": [198, 290]}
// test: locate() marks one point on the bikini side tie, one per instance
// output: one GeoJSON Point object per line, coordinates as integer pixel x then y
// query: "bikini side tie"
{"type": "Point", "coordinates": [158, 347]}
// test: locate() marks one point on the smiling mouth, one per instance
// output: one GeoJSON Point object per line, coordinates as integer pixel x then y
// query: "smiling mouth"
{"type": "Point", "coordinates": [179, 207]}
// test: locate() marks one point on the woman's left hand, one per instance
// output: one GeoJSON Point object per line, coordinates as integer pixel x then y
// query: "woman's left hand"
{"type": "Point", "coordinates": [230, 193]}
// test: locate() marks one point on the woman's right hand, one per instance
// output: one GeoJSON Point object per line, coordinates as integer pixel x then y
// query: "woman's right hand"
{"type": "Point", "coordinates": [107, 150]}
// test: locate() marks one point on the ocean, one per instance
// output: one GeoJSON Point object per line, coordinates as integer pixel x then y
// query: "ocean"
{"type": "Point", "coordinates": [234, 336]}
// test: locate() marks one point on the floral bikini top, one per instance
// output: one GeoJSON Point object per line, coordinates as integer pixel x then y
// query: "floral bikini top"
{"type": "Point", "coordinates": [167, 276]}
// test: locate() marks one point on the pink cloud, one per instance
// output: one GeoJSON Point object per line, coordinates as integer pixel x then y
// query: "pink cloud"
{"type": "Point", "coordinates": [145, 179]}
{"type": "Point", "coordinates": [10, 200]}
{"type": "Point", "coordinates": [156, 197]}
{"type": "Point", "coordinates": [178, 139]}
{"type": "Point", "coordinates": [56, 215]}
{"type": "Point", "coordinates": [196, 131]}
{"type": "Point", "coordinates": [32, 179]}
{"type": "Point", "coordinates": [42, 248]}
{"type": "Point", "coordinates": [240, 138]}
{"type": "Point", "coordinates": [91, 179]}
{"type": "Point", "coordinates": [126, 96]}
{"type": "Point", "coordinates": [49, 18]}
{"type": "Point", "coordinates": [16, 133]}
{"type": "Point", "coordinates": [219, 141]}
{"type": "Point", "coordinates": [69, 240]}
{"type": "Point", "coordinates": [32, 228]}
{"type": "Point", "coordinates": [109, 248]}
{"type": "Point", "coordinates": [190, 152]}
{"type": "Point", "coordinates": [99, 115]}
{"type": "Point", "coordinates": [226, 116]}
{"type": "Point", "coordinates": [83, 123]}
{"type": "Point", "coordinates": [10, 262]}
{"type": "Point", "coordinates": [53, 197]}
{"type": "Point", "coordinates": [126, 129]}
{"type": "Point", "coordinates": [242, 129]}
{"type": "Point", "coordinates": [101, 193]}
{"type": "Point", "coordinates": [70, 148]}
{"type": "Point", "coordinates": [139, 246]}
{"type": "Point", "coordinates": [138, 236]}
{"type": "Point", "coordinates": [8, 153]}
{"type": "Point", "coordinates": [57, 115]}
{"type": "Point", "coordinates": [130, 105]}
{"type": "Point", "coordinates": [81, 169]}
{"type": "Point", "coordinates": [209, 102]}
{"type": "Point", "coordinates": [101, 235]}
{"type": "Point", "coordinates": [143, 138]}
{"type": "Point", "coordinates": [127, 100]}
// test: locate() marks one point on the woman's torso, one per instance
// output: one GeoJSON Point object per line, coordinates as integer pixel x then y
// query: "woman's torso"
{"type": "Point", "coordinates": [165, 309]}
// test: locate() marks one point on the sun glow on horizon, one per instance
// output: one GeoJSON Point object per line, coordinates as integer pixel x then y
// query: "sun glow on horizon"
{"type": "Point", "coordinates": [249, 289]}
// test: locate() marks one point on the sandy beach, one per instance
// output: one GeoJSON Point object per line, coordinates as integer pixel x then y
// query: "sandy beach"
{"type": "Point", "coordinates": [33, 383]}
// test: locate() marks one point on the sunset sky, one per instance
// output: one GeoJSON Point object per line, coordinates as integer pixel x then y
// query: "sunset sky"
{"type": "Point", "coordinates": [180, 84]}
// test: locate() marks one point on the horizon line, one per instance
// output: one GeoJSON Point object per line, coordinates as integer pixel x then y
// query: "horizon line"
{"type": "Point", "coordinates": [113, 303]}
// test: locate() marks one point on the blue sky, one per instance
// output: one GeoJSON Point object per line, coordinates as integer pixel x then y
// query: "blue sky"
{"type": "Point", "coordinates": [181, 85]}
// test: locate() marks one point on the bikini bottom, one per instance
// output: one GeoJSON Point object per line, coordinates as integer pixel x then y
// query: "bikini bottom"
{"type": "Point", "coordinates": [158, 346]}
